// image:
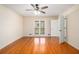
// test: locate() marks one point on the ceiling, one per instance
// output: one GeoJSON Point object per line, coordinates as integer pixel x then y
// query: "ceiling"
{"type": "Point", "coordinates": [52, 10]}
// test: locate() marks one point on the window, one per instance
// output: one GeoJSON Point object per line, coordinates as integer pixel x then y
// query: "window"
{"type": "Point", "coordinates": [39, 27]}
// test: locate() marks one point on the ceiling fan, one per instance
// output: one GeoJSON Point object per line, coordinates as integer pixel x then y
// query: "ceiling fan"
{"type": "Point", "coordinates": [37, 8]}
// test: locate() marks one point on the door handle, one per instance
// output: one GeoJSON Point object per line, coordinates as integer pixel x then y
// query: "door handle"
{"type": "Point", "coordinates": [60, 30]}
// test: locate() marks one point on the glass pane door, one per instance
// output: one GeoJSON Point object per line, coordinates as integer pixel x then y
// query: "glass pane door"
{"type": "Point", "coordinates": [39, 27]}
{"type": "Point", "coordinates": [42, 27]}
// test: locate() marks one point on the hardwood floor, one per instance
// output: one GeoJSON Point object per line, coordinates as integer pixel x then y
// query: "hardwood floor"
{"type": "Point", "coordinates": [31, 45]}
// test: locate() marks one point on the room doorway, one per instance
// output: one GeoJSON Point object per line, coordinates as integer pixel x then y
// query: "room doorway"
{"type": "Point", "coordinates": [39, 28]}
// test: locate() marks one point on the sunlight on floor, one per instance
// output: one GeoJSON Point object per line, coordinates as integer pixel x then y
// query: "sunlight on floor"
{"type": "Point", "coordinates": [39, 40]}
{"type": "Point", "coordinates": [42, 40]}
{"type": "Point", "coordinates": [39, 45]}
{"type": "Point", "coordinates": [36, 40]}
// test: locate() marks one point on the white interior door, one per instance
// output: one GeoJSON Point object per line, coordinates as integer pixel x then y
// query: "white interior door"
{"type": "Point", "coordinates": [62, 29]}
{"type": "Point", "coordinates": [54, 28]}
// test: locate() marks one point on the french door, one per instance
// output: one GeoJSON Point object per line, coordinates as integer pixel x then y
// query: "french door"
{"type": "Point", "coordinates": [39, 28]}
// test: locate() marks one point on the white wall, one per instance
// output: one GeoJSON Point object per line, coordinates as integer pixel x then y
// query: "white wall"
{"type": "Point", "coordinates": [29, 25]}
{"type": "Point", "coordinates": [73, 26]}
{"type": "Point", "coordinates": [54, 28]}
{"type": "Point", "coordinates": [11, 26]}
{"type": "Point", "coordinates": [73, 29]}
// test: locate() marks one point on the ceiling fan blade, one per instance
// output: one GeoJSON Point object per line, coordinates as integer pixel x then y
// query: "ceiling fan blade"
{"type": "Point", "coordinates": [32, 5]}
{"type": "Point", "coordinates": [44, 7]}
{"type": "Point", "coordinates": [35, 6]}
{"type": "Point", "coordinates": [29, 9]}
{"type": "Point", "coordinates": [43, 12]}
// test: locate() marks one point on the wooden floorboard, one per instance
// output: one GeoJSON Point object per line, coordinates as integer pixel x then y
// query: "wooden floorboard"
{"type": "Point", "coordinates": [42, 45]}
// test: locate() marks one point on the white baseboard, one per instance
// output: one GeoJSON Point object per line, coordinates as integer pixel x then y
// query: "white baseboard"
{"type": "Point", "coordinates": [72, 45]}
{"type": "Point", "coordinates": [10, 42]}
{"type": "Point", "coordinates": [39, 36]}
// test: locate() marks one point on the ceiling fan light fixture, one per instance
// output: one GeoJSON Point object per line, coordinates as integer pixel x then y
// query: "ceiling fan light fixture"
{"type": "Point", "coordinates": [37, 12]}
